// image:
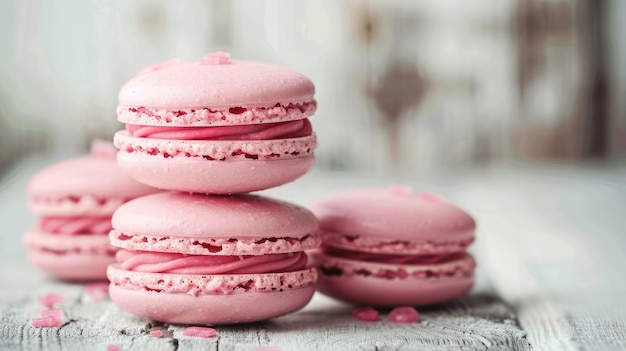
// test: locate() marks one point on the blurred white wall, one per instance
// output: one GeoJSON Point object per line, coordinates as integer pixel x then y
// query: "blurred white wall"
{"type": "Point", "coordinates": [403, 85]}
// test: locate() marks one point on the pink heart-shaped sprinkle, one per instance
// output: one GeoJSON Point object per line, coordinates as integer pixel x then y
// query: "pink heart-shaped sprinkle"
{"type": "Point", "coordinates": [201, 332]}
{"type": "Point", "coordinates": [216, 58]}
{"type": "Point", "coordinates": [49, 300]}
{"type": "Point", "coordinates": [366, 314]}
{"type": "Point", "coordinates": [403, 315]}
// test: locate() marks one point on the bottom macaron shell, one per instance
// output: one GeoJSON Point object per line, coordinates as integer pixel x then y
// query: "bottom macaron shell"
{"type": "Point", "coordinates": [210, 309]}
{"type": "Point", "coordinates": [70, 257]}
{"type": "Point", "coordinates": [212, 176]}
{"type": "Point", "coordinates": [72, 266]}
{"type": "Point", "coordinates": [388, 293]}
{"type": "Point", "coordinates": [368, 283]}
{"type": "Point", "coordinates": [210, 299]}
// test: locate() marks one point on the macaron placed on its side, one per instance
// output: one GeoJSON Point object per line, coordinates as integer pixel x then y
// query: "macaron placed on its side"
{"type": "Point", "coordinates": [200, 259]}
{"type": "Point", "coordinates": [216, 126]}
{"type": "Point", "coordinates": [75, 200]}
{"type": "Point", "coordinates": [390, 247]}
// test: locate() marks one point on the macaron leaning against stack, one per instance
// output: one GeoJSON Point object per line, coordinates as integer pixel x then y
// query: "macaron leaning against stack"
{"type": "Point", "coordinates": [210, 259]}
{"type": "Point", "coordinates": [216, 126]}
{"type": "Point", "coordinates": [75, 200]}
{"type": "Point", "coordinates": [390, 247]}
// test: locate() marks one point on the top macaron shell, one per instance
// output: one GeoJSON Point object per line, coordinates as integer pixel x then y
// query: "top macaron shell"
{"type": "Point", "coordinates": [195, 224]}
{"type": "Point", "coordinates": [238, 83]}
{"type": "Point", "coordinates": [391, 214]}
{"type": "Point", "coordinates": [96, 185]}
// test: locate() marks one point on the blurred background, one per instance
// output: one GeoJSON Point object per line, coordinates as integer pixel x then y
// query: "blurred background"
{"type": "Point", "coordinates": [402, 85]}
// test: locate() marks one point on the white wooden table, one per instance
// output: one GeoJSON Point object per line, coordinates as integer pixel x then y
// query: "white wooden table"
{"type": "Point", "coordinates": [551, 251]}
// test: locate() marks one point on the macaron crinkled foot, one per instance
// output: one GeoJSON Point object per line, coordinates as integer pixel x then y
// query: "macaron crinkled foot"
{"type": "Point", "coordinates": [75, 200]}
{"type": "Point", "coordinates": [391, 247]}
{"type": "Point", "coordinates": [216, 125]}
{"type": "Point", "coordinates": [199, 259]}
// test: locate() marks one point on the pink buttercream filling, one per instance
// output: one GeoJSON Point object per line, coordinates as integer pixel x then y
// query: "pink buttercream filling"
{"type": "Point", "coordinates": [264, 131]}
{"type": "Point", "coordinates": [393, 259]}
{"type": "Point", "coordinates": [162, 262]}
{"type": "Point", "coordinates": [76, 225]}
{"type": "Point", "coordinates": [376, 245]}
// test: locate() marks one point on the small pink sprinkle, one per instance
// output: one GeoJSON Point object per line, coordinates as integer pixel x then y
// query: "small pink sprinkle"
{"type": "Point", "coordinates": [400, 190]}
{"type": "Point", "coordinates": [114, 348]}
{"type": "Point", "coordinates": [428, 196]}
{"type": "Point", "coordinates": [101, 148]}
{"type": "Point", "coordinates": [49, 300]}
{"type": "Point", "coordinates": [201, 332]}
{"type": "Point", "coordinates": [267, 348]}
{"type": "Point", "coordinates": [403, 315]}
{"type": "Point", "coordinates": [216, 58]}
{"type": "Point", "coordinates": [97, 291]}
{"type": "Point", "coordinates": [56, 315]}
{"type": "Point", "coordinates": [156, 333]}
{"type": "Point", "coordinates": [366, 314]}
{"type": "Point", "coordinates": [158, 66]}
{"type": "Point", "coordinates": [47, 322]}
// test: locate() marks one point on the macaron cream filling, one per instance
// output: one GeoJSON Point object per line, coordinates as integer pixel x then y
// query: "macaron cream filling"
{"type": "Point", "coordinates": [264, 131]}
{"type": "Point", "coordinates": [176, 263]}
{"type": "Point", "coordinates": [393, 259]}
{"type": "Point", "coordinates": [76, 225]}
{"type": "Point", "coordinates": [379, 245]}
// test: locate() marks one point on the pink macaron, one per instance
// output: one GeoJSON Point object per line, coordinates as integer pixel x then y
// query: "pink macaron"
{"type": "Point", "coordinates": [390, 247]}
{"type": "Point", "coordinates": [75, 200]}
{"type": "Point", "coordinates": [211, 259]}
{"type": "Point", "coordinates": [216, 126]}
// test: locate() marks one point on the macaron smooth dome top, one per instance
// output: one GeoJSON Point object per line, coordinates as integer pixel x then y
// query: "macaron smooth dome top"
{"type": "Point", "coordinates": [238, 83]}
{"type": "Point", "coordinates": [97, 178]}
{"type": "Point", "coordinates": [186, 215]}
{"type": "Point", "coordinates": [392, 214]}
{"type": "Point", "coordinates": [86, 175]}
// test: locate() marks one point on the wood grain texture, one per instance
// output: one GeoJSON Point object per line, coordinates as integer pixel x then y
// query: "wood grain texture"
{"type": "Point", "coordinates": [478, 321]}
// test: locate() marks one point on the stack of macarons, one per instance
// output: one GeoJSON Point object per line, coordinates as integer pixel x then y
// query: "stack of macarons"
{"type": "Point", "coordinates": [205, 252]}
{"type": "Point", "coordinates": [75, 200]}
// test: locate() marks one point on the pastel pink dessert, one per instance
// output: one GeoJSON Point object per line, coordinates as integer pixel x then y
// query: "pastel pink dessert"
{"type": "Point", "coordinates": [390, 247]}
{"type": "Point", "coordinates": [198, 259]}
{"type": "Point", "coordinates": [75, 200]}
{"type": "Point", "coordinates": [216, 126]}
